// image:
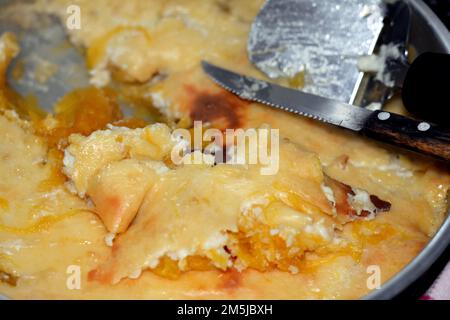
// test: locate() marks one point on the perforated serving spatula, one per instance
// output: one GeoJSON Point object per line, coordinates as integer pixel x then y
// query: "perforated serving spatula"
{"type": "Point", "coordinates": [49, 65]}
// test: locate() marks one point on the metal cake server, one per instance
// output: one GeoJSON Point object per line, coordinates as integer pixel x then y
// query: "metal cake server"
{"type": "Point", "coordinates": [373, 91]}
{"type": "Point", "coordinates": [324, 39]}
{"type": "Point", "coordinates": [422, 137]}
{"type": "Point", "coordinates": [50, 65]}
{"type": "Point", "coordinates": [327, 39]}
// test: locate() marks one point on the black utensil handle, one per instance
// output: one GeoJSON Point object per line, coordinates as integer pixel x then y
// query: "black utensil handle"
{"type": "Point", "coordinates": [419, 136]}
{"type": "Point", "coordinates": [426, 86]}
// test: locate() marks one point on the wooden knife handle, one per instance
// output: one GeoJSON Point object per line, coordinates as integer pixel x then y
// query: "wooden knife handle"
{"type": "Point", "coordinates": [419, 136]}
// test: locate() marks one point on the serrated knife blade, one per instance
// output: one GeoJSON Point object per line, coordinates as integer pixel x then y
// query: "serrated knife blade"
{"type": "Point", "coordinates": [294, 101]}
{"type": "Point", "coordinates": [321, 39]}
{"type": "Point", "coordinates": [418, 136]}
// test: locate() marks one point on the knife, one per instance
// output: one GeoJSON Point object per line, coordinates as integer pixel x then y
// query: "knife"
{"type": "Point", "coordinates": [419, 136]}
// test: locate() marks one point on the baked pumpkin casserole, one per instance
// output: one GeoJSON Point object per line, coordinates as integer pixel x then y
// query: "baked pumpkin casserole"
{"type": "Point", "coordinates": [86, 186]}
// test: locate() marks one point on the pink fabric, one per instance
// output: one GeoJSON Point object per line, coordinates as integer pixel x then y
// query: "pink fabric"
{"type": "Point", "coordinates": [440, 290]}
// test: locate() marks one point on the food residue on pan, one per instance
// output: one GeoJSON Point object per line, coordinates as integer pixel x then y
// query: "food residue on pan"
{"type": "Point", "coordinates": [89, 186]}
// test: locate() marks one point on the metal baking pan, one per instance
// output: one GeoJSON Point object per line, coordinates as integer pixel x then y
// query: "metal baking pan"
{"type": "Point", "coordinates": [428, 34]}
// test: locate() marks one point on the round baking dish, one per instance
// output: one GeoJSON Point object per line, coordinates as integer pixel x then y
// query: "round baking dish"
{"type": "Point", "coordinates": [427, 34]}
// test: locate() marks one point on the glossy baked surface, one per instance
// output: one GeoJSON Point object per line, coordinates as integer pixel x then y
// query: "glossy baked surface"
{"type": "Point", "coordinates": [60, 197]}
